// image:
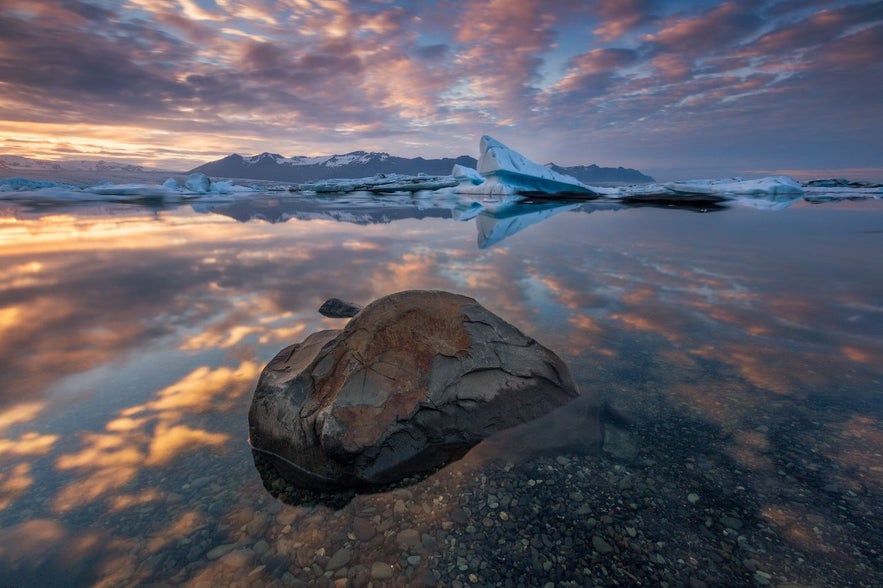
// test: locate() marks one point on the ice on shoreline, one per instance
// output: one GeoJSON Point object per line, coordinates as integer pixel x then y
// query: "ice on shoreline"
{"type": "Point", "coordinates": [197, 186]}
{"type": "Point", "coordinates": [770, 185]}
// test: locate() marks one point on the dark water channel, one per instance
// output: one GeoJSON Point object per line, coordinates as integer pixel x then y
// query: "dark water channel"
{"type": "Point", "coordinates": [737, 354]}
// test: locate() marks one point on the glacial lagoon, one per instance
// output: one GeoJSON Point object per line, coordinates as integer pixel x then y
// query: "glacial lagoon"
{"type": "Point", "coordinates": [736, 351]}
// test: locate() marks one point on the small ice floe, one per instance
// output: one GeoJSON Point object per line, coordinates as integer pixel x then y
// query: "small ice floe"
{"type": "Point", "coordinates": [770, 185]}
{"type": "Point", "coordinates": [24, 188]}
{"type": "Point", "coordinates": [196, 186]}
{"type": "Point", "coordinates": [129, 190]}
{"type": "Point", "coordinates": [833, 189]}
{"type": "Point", "coordinates": [379, 184]}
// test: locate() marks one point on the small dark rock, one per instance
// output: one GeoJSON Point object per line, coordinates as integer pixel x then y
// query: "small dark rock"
{"type": "Point", "coordinates": [337, 308]}
{"type": "Point", "coordinates": [600, 545]}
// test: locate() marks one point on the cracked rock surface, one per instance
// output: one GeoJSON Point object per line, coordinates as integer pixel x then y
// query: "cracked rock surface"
{"type": "Point", "coordinates": [412, 382]}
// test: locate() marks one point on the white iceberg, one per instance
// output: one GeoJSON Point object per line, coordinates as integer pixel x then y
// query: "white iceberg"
{"type": "Point", "coordinates": [508, 172]}
{"type": "Point", "coordinates": [198, 183]}
{"type": "Point", "coordinates": [770, 185]}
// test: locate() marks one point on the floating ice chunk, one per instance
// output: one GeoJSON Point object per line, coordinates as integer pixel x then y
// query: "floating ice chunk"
{"type": "Point", "coordinates": [136, 190]}
{"type": "Point", "coordinates": [380, 184]}
{"type": "Point", "coordinates": [498, 163]}
{"type": "Point", "coordinates": [170, 184]}
{"type": "Point", "coordinates": [739, 187]}
{"type": "Point", "coordinates": [330, 186]}
{"type": "Point", "coordinates": [224, 187]}
{"type": "Point", "coordinates": [199, 183]}
{"type": "Point", "coordinates": [26, 185]}
{"type": "Point", "coordinates": [466, 174]}
{"type": "Point", "coordinates": [416, 184]}
{"type": "Point", "coordinates": [843, 183]}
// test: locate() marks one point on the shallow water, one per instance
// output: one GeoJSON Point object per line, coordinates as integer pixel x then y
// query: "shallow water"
{"type": "Point", "coordinates": [131, 338]}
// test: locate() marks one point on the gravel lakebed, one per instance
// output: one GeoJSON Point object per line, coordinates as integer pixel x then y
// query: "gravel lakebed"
{"type": "Point", "coordinates": [665, 500]}
{"type": "Point", "coordinates": [663, 506]}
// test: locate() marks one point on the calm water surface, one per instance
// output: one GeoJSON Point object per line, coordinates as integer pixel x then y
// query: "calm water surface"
{"type": "Point", "coordinates": [131, 339]}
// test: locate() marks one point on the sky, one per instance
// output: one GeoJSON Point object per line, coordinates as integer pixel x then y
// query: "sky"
{"type": "Point", "coordinates": [674, 88]}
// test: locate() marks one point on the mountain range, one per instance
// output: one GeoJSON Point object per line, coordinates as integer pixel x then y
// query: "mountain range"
{"type": "Point", "coordinates": [361, 164]}
{"type": "Point", "coordinates": [275, 167]}
{"type": "Point", "coordinates": [16, 163]}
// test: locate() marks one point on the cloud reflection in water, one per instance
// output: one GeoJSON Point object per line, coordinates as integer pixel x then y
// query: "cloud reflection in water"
{"type": "Point", "coordinates": [130, 341]}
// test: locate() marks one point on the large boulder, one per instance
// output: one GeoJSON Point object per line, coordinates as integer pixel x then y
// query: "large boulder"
{"type": "Point", "coordinates": [412, 382]}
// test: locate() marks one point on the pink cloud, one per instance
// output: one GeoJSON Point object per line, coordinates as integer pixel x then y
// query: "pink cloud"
{"type": "Point", "coordinates": [620, 16]}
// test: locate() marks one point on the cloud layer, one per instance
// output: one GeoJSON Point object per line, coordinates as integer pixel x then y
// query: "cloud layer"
{"type": "Point", "coordinates": [739, 86]}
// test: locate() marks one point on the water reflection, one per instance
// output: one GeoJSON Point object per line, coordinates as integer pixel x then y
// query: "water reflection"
{"type": "Point", "coordinates": [131, 339]}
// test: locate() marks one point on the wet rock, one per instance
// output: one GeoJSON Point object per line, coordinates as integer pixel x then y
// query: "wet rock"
{"type": "Point", "coordinates": [412, 382]}
{"type": "Point", "coordinates": [337, 308]}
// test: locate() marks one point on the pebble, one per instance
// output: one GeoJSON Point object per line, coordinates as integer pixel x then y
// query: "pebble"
{"type": "Point", "coordinates": [408, 539]}
{"type": "Point", "coordinates": [731, 522]}
{"type": "Point", "coordinates": [238, 558]}
{"type": "Point", "coordinates": [381, 570]}
{"type": "Point", "coordinates": [692, 498]}
{"type": "Point", "coordinates": [458, 515]}
{"type": "Point", "coordinates": [600, 545]}
{"type": "Point", "coordinates": [220, 551]}
{"type": "Point", "coordinates": [340, 558]}
{"type": "Point", "coordinates": [363, 529]}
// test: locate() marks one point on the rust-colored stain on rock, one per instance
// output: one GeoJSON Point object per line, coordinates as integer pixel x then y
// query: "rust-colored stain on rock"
{"type": "Point", "coordinates": [398, 343]}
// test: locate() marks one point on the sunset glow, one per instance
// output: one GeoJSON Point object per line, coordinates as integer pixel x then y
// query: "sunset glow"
{"type": "Point", "coordinates": [671, 88]}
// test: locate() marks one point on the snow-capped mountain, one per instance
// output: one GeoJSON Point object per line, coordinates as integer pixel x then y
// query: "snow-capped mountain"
{"type": "Point", "coordinates": [356, 164]}
{"type": "Point", "coordinates": [361, 164]}
{"type": "Point", "coordinates": [16, 164]}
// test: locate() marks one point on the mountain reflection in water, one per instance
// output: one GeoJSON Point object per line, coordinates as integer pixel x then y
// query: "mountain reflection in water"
{"type": "Point", "coordinates": [737, 356]}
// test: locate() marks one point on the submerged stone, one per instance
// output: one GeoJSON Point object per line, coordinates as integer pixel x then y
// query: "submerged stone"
{"type": "Point", "coordinates": [412, 382]}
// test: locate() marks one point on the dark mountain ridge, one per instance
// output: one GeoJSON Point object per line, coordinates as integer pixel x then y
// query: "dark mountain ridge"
{"type": "Point", "coordinates": [355, 164]}
{"type": "Point", "coordinates": [361, 164]}
{"type": "Point", "coordinates": [589, 174]}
